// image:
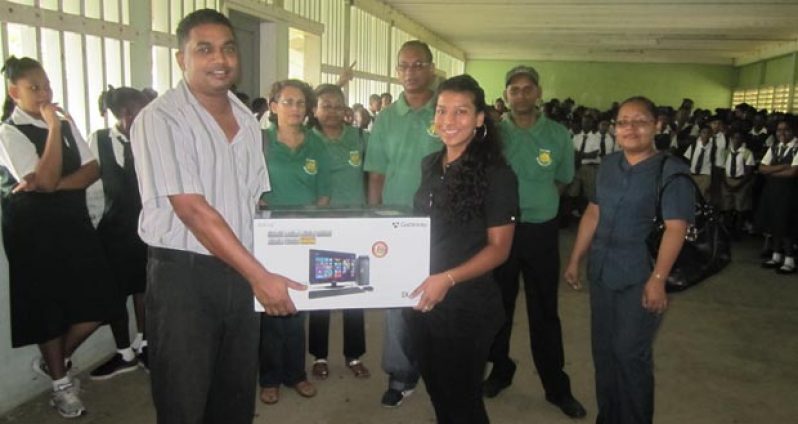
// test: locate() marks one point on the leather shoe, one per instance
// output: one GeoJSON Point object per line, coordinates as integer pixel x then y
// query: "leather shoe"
{"type": "Point", "coordinates": [305, 389]}
{"type": "Point", "coordinates": [358, 369]}
{"type": "Point", "coordinates": [270, 395]}
{"type": "Point", "coordinates": [501, 377]}
{"type": "Point", "coordinates": [568, 405]}
{"type": "Point", "coordinates": [320, 370]}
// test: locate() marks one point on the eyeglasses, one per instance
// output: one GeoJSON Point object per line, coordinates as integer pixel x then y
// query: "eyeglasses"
{"type": "Point", "coordinates": [640, 123]}
{"type": "Point", "coordinates": [416, 66]}
{"type": "Point", "coordinates": [293, 103]}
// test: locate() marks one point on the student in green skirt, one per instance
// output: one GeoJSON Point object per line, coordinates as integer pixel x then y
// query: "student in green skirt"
{"type": "Point", "coordinates": [346, 146]}
{"type": "Point", "coordinates": [299, 172]}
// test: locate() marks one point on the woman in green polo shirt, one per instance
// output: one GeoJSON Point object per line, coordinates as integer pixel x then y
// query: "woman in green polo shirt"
{"type": "Point", "coordinates": [298, 166]}
{"type": "Point", "coordinates": [346, 146]}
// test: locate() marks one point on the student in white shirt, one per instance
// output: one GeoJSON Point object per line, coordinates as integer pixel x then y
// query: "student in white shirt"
{"type": "Point", "coordinates": [118, 204]}
{"type": "Point", "coordinates": [736, 188]}
{"type": "Point", "coordinates": [703, 156]}
{"type": "Point", "coordinates": [58, 286]}
{"type": "Point", "coordinates": [777, 207]}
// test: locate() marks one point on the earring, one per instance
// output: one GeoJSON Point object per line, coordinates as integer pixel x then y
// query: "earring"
{"type": "Point", "coordinates": [484, 129]}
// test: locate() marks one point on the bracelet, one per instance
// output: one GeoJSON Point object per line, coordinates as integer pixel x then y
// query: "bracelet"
{"type": "Point", "coordinates": [451, 279]}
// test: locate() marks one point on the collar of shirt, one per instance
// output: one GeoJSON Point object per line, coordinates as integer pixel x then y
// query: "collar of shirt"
{"type": "Point", "coordinates": [115, 134]}
{"type": "Point", "coordinates": [20, 117]}
{"type": "Point", "coordinates": [402, 108]}
{"type": "Point", "coordinates": [539, 122]}
{"type": "Point", "coordinates": [238, 107]}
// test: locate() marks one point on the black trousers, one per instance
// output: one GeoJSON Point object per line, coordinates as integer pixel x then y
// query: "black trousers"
{"type": "Point", "coordinates": [202, 339]}
{"type": "Point", "coordinates": [354, 334]}
{"type": "Point", "coordinates": [622, 334]}
{"type": "Point", "coordinates": [535, 255]}
{"type": "Point", "coordinates": [282, 350]}
{"type": "Point", "coordinates": [452, 363]}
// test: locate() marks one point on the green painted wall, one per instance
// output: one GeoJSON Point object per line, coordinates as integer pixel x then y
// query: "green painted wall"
{"type": "Point", "coordinates": [598, 84]}
{"type": "Point", "coordinates": [779, 70]}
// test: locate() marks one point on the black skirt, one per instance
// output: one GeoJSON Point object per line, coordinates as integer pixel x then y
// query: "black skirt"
{"type": "Point", "coordinates": [776, 212]}
{"type": "Point", "coordinates": [57, 268]}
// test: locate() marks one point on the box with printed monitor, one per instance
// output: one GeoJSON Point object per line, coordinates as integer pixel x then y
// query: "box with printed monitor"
{"type": "Point", "coordinates": [348, 258]}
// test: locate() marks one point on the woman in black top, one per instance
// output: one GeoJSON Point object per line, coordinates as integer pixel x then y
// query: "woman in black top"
{"type": "Point", "coordinates": [58, 276]}
{"type": "Point", "coordinates": [471, 196]}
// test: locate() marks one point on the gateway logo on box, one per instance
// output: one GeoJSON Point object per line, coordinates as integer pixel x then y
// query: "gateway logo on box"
{"type": "Point", "coordinates": [400, 224]}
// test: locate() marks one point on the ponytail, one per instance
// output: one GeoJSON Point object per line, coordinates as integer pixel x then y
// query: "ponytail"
{"type": "Point", "coordinates": [13, 69]}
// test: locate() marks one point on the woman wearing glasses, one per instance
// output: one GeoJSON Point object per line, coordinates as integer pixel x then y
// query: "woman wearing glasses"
{"type": "Point", "coordinates": [298, 166]}
{"type": "Point", "coordinates": [627, 294]}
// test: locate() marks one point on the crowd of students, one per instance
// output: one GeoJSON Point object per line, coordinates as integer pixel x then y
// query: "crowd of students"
{"type": "Point", "coordinates": [742, 159]}
{"type": "Point", "coordinates": [73, 233]}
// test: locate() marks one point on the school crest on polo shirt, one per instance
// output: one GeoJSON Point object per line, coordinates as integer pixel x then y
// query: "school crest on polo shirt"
{"type": "Point", "coordinates": [310, 167]}
{"type": "Point", "coordinates": [431, 129]}
{"type": "Point", "coordinates": [355, 159]}
{"type": "Point", "coordinates": [544, 157]}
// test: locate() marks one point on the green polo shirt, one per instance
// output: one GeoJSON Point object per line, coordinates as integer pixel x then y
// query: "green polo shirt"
{"type": "Point", "coordinates": [298, 177]}
{"type": "Point", "coordinates": [400, 138]}
{"type": "Point", "coordinates": [540, 156]}
{"type": "Point", "coordinates": [346, 166]}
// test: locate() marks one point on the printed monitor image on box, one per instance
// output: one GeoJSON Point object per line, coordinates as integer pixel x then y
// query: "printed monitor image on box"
{"type": "Point", "coordinates": [347, 258]}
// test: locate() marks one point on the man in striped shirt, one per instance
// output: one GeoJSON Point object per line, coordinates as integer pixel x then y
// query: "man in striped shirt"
{"type": "Point", "coordinates": [201, 171]}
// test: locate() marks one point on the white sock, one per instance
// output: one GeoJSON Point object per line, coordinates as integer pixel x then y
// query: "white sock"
{"type": "Point", "coordinates": [776, 257]}
{"type": "Point", "coordinates": [127, 354]}
{"type": "Point", "coordinates": [136, 345]}
{"type": "Point", "coordinates": [789, 261]}
{"type": "Point", "coordinates": [57, 384]}
{"type": "Point", "coordinates": [142, 345]}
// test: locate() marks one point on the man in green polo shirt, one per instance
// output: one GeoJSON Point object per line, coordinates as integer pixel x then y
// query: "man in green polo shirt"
{"type": "Point", "coordinates": [402, 136]}
{"type": "Point", "coordinates": [540, 152]}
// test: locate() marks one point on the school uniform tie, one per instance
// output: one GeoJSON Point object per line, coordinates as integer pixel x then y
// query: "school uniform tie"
{"type": "Point", "coordinates": [782, 150]}
{"type": "Point", "coordinates": [127, 156]}
{"type": "Point", "coordinates": [603, 147]}
{"type": "Point", "coordinates": [700, 162]}
{"type": "Point", "coordinates": [733, 171]}
{"type": "Point", "coordinates": [582, 147]}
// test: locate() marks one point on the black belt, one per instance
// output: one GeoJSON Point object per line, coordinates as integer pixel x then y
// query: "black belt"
{"type": "Point", "coordinates": [185, 257]}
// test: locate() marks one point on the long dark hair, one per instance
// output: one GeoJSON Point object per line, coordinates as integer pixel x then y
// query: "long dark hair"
{"type": "Point", "coordinates": [279, 86]}
{"type": "Point", "coordinates": [13, 69]}
{"type": "Point", "coordinates": [467, 184]}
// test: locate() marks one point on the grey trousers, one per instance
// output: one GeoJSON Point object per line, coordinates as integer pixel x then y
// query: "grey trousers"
{"type": "Point", "coordinates": [397, 357]}
{"type": "Point", "coordinates": [202, 339]}
{"type": "Point", "coordinates": [623, 334]}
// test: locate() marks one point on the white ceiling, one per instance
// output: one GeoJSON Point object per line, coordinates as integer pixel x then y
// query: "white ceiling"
{"type": "Point", "coordinates": [682, 31]}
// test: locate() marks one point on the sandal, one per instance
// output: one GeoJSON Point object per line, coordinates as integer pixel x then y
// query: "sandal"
{"type": "Point", "coordinates": [320, 370]}
{"type": "Point", "coordinates": [305, 389]}
{"type": "Point", "coordinates": [270, 395]}
{"type": "Point", "coordinates": [358, 369]}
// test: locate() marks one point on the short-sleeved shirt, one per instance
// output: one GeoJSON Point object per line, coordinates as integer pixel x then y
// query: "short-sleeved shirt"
{"type": "Point", "coordinates": [95, 196]}
{"type": "Point", "coordinates": [742, 157]}
{"type": "Point", "coordinates": [18, 155]}
{"type": "Point", "coordinates": [626, 196]}
{"type": "Point", "coordinates": [298, 177]}
{"type": "Point", "coordinates": [347, 187]}
{"type": "Point", "coordinates": [401, 138]}
{"type": "Point", "coordinates": [453, 242]}
{"type": "Point", "coordinates": [789, 155]}
{"type": "Point", "coordinates": [180, 149]}
{"type": "Point", "coordinates": [541, 156]}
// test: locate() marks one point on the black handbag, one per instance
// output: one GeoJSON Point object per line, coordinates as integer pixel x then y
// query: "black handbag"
{"type": "Point", "coordinates": [707, 245]}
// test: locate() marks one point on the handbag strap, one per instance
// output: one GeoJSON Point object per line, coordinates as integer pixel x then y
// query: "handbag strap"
{"type": "Point", "coordinates": [662, 185]}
